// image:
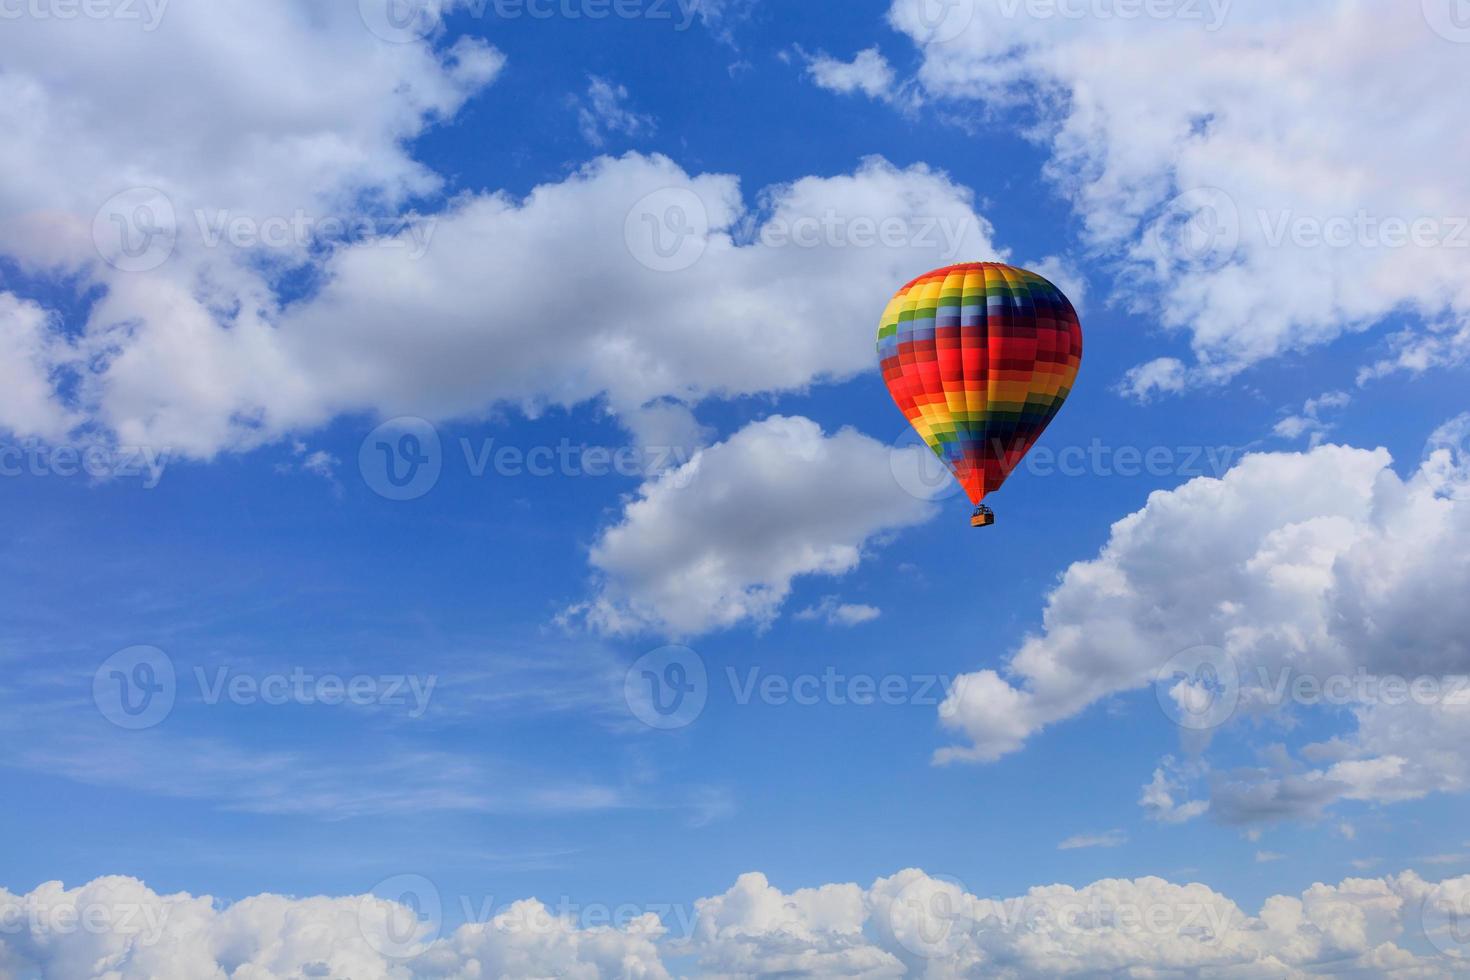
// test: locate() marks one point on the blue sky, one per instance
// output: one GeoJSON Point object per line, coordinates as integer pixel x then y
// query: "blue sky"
{"type": "Point", "coordinates": [762, 519]}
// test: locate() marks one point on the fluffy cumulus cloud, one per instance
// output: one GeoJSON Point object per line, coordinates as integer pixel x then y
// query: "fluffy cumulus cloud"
{"type": "Point", "coordinates": [868, 72]}
{"type": "Point", "coordinates": [719, 540]}
{"type": "Point", "coordinates": [32, 353]}
{"type": "Point", "coordinates": [672, 261]}
{"type": "Point", "coordinates": [1233, 158]}
{"type": "Point", "coordinates": [680, 290]}
{"type": "Point", "coordinates": [1297, 581]}
{"type": "Point", "coordinates": [118, 928]}
{"type": "Point", "coordinates": [909, 924]}
{"type": "Point", "coordinates": [272, 108]}
{"type": "Point", "coordinates": [295, 158]}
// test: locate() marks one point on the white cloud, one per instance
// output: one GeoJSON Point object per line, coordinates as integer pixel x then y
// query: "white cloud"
{"type": "Point", "coordinates": [147, 936]}
{"type": "Point", "coordinates": [1158, 799]}
{"type": "Point", "coordinates": [1326, 564]}
{"type": "Point", "coordinates": [180, 376]}
{"type": "Point", "coordinates": [718, 541]}
{"type": "Point", "coordinates": [868, 72]}
{"type": "Point", "coordinates": [1265, 857]}
{"type": "Point", "coordinates": [310, 117]}
{"type": "Point", "coordinates": [1309, 422]}
{"type": "Point", "coordinates": [903, 925]}
{"type": "Point", "coordinates": [1444, 343]}
{"type": "Point", "coordinates": [605, 112]}
{"type": "Point", "coordinates": [32, 352]}
{"type": "Point", "coordinates": [1111, 838]}
{"type": "Point", "coordinates": [1161, 376]}
{"type": "Point", "coordinates": [272, 108]}
{"type": "Point", "coordinates": [1224, 153]}
{"type": "Point", "coordinates": [834, 612]}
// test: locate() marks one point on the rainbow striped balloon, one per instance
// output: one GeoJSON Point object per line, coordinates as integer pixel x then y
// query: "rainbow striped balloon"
{"type": "Point", "coordinates": [980, 358]}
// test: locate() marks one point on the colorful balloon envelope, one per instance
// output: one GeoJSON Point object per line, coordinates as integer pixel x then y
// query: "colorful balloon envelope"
{"type": "Point", "coordinates": [980, 358]}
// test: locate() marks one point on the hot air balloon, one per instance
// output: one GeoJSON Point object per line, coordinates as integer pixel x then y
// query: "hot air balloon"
{"type": "Point", "coordinates": [980, 358]}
